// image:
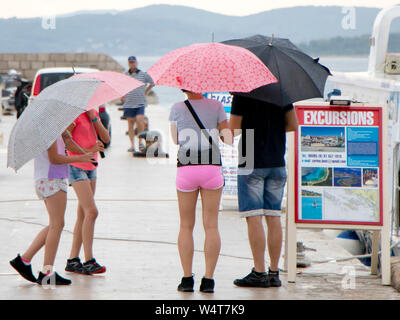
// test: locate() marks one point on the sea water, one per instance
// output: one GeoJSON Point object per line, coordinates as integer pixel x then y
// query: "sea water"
{"type": "Point", "coordinates": [311, 208]}
{"type": "Point", "coordinates": [315, 174]}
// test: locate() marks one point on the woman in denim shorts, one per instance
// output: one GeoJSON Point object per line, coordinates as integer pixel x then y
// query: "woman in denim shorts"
{"type": "Point", "coordinates": [83, 176]}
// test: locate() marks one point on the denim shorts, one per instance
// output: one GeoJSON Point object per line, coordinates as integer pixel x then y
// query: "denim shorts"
{"type": "Point", "coordinates": [133, 112]}
{"type": "Point", "coordinates": [78, 174]}
{"type": "Point", "coordinates": [260, 192]}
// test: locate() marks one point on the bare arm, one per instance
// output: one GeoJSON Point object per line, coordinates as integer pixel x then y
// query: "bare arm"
{"type": "Point", "coordinates": [71, 146]}
{"type": "Point", "coordinates": [174, 133]}
{"type": "Point", "coordinates": [100, 129]}
{"type": "Point", "coordinates": [148, 89]}
{"type": "Point", "coordinates": [235, 125]}
{"type": "Point", "coordinates": [151, 85]}
{"type": "Point", "coordinates": [225, 134]}
{"type": "Point", "coordinates": [291, 123]}
{"type": "Point", "coordinates": [56, 158]}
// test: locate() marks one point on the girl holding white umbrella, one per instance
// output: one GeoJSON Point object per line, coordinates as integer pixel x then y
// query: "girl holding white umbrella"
{"type": "Point", "coordinates": [51, 173]}
{"type": "Point", "coordinates": [37, 135]}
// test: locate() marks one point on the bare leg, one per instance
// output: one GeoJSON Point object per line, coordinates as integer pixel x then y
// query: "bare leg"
{"type": "Point", "coordinates": [36, 244]}
{"type": "Point", "coordinates": [187, 211]}
{"type": "Point", "coordinates": [212, 244]}
{"type": "Point", "coordinates": [140, 124]}
{"type": "Point", "coordinates": [256, 233]}
{"type": "Point", "coordinates": [131, 131]}
{"type": "Point", "coordinates": [85, 194]}
{"type": "Point", "coordinates": [56, 206]}
{"type": "Point", "coordinates": [274, 241]}
{"type": "Point", "coordinates": [77, 239]}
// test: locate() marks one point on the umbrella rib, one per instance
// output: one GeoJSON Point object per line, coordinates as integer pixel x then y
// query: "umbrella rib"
{"type": "Point", "coordinates": [312, 81]}
{"type": "Point", "coordinates": [302, 68]}
{"type": "Point", "coordinates": [294, 51]}
{"type": "Point", "coordinates": [279, 75]}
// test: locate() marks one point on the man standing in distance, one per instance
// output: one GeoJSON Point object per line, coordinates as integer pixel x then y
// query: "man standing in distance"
{"type": "Point", "coordinates": [135, 102]}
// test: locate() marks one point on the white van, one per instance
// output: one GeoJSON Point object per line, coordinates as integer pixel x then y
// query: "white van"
{"type": "Point", "coordinates": [48, 76]}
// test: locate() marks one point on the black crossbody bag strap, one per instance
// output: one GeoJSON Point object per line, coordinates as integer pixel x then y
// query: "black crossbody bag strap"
{"type": "Point", "coordinates": [201, 125]}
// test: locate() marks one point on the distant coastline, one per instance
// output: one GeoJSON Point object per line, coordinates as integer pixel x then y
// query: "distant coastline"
{"type": "Point", "coordinates": [310, 194]}
{"type": "Point", "coordinates": [315, 29]}
{"type": "Point", "coordinates": [346, 46]}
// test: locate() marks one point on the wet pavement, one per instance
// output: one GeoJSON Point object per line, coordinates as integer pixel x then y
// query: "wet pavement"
{"type": "Point", "coordinates": [136, 235]}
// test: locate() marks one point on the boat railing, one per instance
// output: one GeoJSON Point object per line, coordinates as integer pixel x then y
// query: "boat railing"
{"type": "Point", "coordinates": [379, 41]}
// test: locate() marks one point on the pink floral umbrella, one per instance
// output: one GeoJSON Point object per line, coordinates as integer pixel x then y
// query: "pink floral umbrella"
{"type": "Point", "coordinates": [211, 67]}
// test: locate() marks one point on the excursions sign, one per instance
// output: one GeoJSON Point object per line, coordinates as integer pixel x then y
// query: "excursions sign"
{"type": "Point", "coordinates": [339, 118]}
{"type": "Point", "coordinates": [338, 176]}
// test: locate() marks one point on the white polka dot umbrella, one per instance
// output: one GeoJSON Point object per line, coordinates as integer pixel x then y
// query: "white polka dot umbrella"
{"type": "Point", "coordinates": [57, 106]}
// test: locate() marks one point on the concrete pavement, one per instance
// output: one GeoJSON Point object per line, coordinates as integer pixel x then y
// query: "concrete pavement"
{"type": "Point", "coordinates": [136, 236]}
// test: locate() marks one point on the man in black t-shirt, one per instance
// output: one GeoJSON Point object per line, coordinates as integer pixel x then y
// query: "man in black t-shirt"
{"type": "Point", "coordinates": [261, 180]}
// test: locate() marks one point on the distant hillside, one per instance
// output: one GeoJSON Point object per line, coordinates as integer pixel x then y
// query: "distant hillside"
{"type": "Point", "coordinates": [157, 29]}
{"type": "Point", "coordinates": [346, 46]}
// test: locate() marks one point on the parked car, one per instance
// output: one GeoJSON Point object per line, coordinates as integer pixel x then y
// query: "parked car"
{"type": "Point", "coordinates": [48, 76]}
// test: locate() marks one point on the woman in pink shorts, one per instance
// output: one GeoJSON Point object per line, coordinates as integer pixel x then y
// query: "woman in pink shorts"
{"type": "Point", "coordinates": [199, 171]}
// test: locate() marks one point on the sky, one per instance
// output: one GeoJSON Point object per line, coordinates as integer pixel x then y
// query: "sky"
{"type": "Point", "coordinates": [39, 8]}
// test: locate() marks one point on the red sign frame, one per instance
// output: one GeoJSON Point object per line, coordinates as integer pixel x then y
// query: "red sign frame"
{"type": "Point", "coordinates": [296, 178]}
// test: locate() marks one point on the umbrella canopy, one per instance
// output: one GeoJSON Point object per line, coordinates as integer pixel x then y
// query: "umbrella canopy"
{"type": "Point", "coordinates": [299, 76]}
{"type": "Point", "coordinates": [56, 107]}
{"type": "Point", "coordinates": [211, 67]}
{"type": "Point", "coordinates": [113, 85]}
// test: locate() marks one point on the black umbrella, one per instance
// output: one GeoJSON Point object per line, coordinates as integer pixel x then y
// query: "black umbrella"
{"type": "Point", "coordinates": [300, 76]}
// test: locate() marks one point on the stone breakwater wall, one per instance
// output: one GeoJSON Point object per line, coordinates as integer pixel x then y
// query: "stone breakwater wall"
{"type": "Point", "coordinates": [29, 63]}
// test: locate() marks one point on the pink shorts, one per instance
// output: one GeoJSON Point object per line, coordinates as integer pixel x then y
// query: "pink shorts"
{"type": "Point", "coordinates": [192, 178]}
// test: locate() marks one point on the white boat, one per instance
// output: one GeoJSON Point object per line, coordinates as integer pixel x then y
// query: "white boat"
{"type": "Point", "coordinates": [380, 85]}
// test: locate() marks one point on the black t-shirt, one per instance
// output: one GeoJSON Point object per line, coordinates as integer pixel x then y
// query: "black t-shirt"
{"type": "Point", "coordinates": [268, 122]}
